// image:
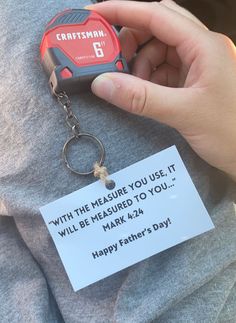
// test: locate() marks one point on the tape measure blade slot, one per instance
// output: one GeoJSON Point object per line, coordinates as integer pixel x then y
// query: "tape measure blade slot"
{"type": "Point", "coordinates": [84, 74]}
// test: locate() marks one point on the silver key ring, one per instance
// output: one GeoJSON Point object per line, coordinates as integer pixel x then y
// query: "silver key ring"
{"type": "Point", "coordinates": [77, 137]}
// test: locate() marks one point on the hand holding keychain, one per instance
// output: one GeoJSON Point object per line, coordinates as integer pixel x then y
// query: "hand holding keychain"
{"type": "Point", "coordinates": [77, 46]}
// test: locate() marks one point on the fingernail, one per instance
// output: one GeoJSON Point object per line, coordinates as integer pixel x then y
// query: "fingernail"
{"type": "Point", "coordinates": [103, 87]}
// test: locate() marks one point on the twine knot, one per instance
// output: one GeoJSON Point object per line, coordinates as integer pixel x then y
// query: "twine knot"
{"type": "Point", "coordinates": [102, 173]}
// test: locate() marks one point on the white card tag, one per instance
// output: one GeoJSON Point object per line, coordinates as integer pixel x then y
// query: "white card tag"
{"type": "Point", "coordinates": [154, 206]}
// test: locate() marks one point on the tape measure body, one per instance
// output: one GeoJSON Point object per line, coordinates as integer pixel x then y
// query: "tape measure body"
{"type": "Point", "coordinates": [76, 47]}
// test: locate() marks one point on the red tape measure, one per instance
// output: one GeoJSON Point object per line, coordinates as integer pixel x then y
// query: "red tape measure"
{"type": "Point", "coordinates": [77, 46]}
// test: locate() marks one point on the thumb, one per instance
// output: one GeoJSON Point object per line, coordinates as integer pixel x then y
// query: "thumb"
{"type": "Point", "coordinates": [165, 104]}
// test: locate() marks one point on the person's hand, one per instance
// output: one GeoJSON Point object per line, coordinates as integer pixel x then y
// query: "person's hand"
{"type": "Point", "coordinates": [184, 76]}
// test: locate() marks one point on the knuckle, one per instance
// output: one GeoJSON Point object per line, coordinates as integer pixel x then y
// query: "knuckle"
{"type": "Point", "coordinates": [166, 2]}
{"type": "Point", "coordinates": [139, 100]}
{"type": "Point", "coordinates": [224, 40]}
{"type": "Point", "coordinates": [155, 4]}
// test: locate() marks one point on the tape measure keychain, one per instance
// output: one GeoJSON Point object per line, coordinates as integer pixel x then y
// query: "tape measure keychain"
{"type": "Point", "coordinates": [76, 47]}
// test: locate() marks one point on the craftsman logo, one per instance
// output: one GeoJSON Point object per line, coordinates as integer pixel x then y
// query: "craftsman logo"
{"type": "Point", "coordinates": [81, 35]}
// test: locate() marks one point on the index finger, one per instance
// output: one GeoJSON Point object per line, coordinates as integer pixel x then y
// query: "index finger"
{"type": "Point", "coordinates": [131, 39]}
{"type": "Point", "coordinates": [164, 23]}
